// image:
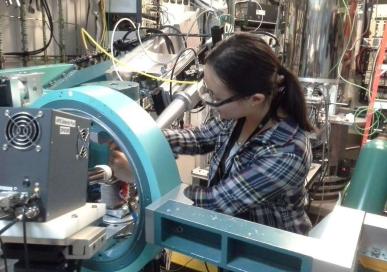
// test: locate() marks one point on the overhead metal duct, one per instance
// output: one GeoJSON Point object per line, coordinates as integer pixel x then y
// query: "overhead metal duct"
{"type": "Point", "coordinates": [313, 37]}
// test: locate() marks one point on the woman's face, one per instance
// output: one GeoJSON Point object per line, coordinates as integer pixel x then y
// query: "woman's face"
{"type": "Point", "coordinates": [236, 108]}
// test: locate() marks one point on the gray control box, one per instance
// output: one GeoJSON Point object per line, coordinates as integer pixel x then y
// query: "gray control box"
{"type": "Point", "coordinates": [45, 151]}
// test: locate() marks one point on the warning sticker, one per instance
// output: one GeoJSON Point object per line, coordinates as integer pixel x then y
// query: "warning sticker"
{"type": "Point", "coordinates": [61, 121]}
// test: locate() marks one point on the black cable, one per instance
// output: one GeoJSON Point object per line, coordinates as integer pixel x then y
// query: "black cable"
{"type": "Point", "coordinates": [10, 224]}
{"type": "Point", "coordinates": [181, 267]}
{"type": "Point", "coordinates": [168, 41]}
{"type": "Point", "coordinates": [174, 67]}
{"type": "Point", "coordinates": [51, 28]}
{"type": "Point", "coordinates": [87, 14]}
{"type": "Point", "coordinates": [13, 222]}
{"type": "Point", "coordinates": [4, 257]}
{"type": "Point", "coordinates": [128, 32]}
{"type": "Point", "coordinates": [79, 266]}
{"type": "Point", "coordinates": [178, 31]}
{"type": "Point", "coordinates": [26, 253]}
{"type": "Point", "coordinates": [53, 36]}
{"type": "Point", "coordinates": [273, 2]}
{"type": "Point", "coordinates": [271, 35]}
{"type": "Point", "coordinates": [185, 35]}
{"type": "Point", "coordinates": [198, 110]}
{"type": "Point", "coordinates": [207, 269]}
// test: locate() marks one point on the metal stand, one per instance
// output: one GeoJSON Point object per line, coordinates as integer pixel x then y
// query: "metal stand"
{"type": "Point", "coordinates": [42, 258]}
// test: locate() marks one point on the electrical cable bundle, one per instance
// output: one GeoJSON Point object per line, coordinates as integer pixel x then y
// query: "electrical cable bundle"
{"type": "Point", "coordinates": [174, 66]}
{"type": "Point", "coordinates": [121, 45]}
{"type": "Point", "coordinates": [378, 119]}
{"type": "Point", "coordinates": [50, 27]}
{"type": "Point", "coordinates": [5, 228]}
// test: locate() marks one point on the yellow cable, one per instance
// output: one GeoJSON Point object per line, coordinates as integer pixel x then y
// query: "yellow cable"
{"type": "Point", "coordinates": [84, 41]}
{"type": "Point", "coordinates": [85, 33]}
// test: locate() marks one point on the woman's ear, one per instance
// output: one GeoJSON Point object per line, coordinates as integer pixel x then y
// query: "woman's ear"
{"type": "Point", "coordinates": [257, 99]}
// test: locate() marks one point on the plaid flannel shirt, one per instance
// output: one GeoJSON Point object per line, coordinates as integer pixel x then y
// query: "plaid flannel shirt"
{"type": "Point", "coordinates": [266, 184]}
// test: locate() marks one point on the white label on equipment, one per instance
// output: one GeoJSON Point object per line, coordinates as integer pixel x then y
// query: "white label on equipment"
{"type": "Point", "coordinates": [261, 12]}
{"type": "Point", "coordinates": [60, 121]}
{"type": "Point", "coordinates": [6, 188]}
{"type": "Point", "coordinates": [64, 130]}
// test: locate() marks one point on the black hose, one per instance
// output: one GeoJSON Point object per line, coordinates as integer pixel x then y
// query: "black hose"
{"type": "Point", "coordinates": [174, 67]}
{"type": "Point", "coordinates": [10, 224]}
{"type": "Point", "coordinates": [51, 28]}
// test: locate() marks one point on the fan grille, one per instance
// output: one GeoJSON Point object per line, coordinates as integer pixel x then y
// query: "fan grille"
{"type": "Point", "coordinates": [22, 131]}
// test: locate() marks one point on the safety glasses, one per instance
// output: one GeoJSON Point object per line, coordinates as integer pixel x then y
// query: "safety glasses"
{"type": "Point", "coordinates": [207, 95]}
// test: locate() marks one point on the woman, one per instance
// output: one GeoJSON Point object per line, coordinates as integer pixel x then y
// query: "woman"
{"type": "Point", "coordinates": [261, 151]}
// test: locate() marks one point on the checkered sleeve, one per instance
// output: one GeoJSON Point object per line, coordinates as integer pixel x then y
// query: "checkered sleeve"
{"type": "Point", "coordinates": [265, 179]}
{"type": "Point", "coordinates": [199, 140]}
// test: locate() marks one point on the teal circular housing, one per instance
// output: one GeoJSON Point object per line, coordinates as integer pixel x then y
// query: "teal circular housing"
{"type": "Point", "coordinates": [148, 151]}
{"type": "Point", "coordinates": [367, 190]}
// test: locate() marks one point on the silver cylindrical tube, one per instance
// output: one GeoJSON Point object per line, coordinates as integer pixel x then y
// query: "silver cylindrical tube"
{"type": "Point", "coordinates": [313, 36]}
{"type": "Point", "coordinates": [182, 102]}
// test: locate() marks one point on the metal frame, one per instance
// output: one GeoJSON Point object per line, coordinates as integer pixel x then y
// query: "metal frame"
{"type": "Point", "coordinates": [240, 245]}
{"type": "Point", "coordinates": [50, 72]}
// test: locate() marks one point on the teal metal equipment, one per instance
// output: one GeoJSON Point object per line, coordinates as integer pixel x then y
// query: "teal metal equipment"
{"type": "Point", "coordinates": [143, 143]}
{"type": "Point", "coordinates": [228, 242]}
{"type": "Point", "coordinates": [368, 188]}
{"type": "Point", "coordinates": [76, 78]}
{"type": "Point", "coordinates": [62, 76]}
{"type": "Point", "coordinates": [50, 72]}
{"type": "Point", "coordinates": [239, 245]}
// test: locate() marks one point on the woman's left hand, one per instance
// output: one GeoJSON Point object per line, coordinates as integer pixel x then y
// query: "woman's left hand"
{"type": "Point", "coordinates": [120, 164]}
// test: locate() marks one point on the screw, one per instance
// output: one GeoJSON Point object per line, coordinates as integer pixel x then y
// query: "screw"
{"type": "Point", "coordinates": [26, 182]}
{"type": "Point", "coordinates": [5, 147]}
{"type": "Point", "coordinates": [38, 148]}
{"type": "Point", "coordinates": [40, 113]}
{"type": "Point", "coordinates": [179, 229]}
{"type": "Point", "coordinates": [375, 252]}
{"type": "Point", "coordinates": [6, 113]}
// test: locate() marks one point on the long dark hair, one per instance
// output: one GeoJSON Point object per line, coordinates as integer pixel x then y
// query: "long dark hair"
{"type": "Point", "coordinates": [247, 65]}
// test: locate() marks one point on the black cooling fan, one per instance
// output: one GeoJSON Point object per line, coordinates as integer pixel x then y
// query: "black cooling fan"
{"type": "Point", "coordinates": [22, 131]}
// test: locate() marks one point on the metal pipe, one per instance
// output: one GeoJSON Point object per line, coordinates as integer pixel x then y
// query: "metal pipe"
{"type": "Point", "coordinates": [44, 35]}
{"type": "Point", "coordinates": [1, 44]}
{"type": "Point", "coordinates": [293, 21]}
{"type": "Point", "coordinates": [61, 31]}
{"type": "Point", "coordinates": [320, 48]}
{"type": "Point", "coordinates": [312, 37]}
{"type": "Point", "coordinates": [318, 53]}
{"type": "Point", "coordinates": [34, 19]}
{"type": "Point", "coordinates": [23, 26]}
{"type": "Point", "coordinates": [76, 28]}
{"type": "Point", "coordinates": [350, 92]}
{"type": "Point", "coordinates": [182, 102]}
